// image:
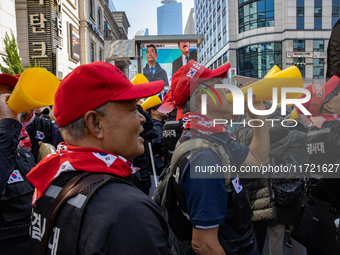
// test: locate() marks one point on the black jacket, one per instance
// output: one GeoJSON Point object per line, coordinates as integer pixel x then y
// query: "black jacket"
{"type": "Point", "coordinates": [42, 129]}
{"type": "Point", "coordinates": [115, 218]}
{"type": "Point", "coordinates": [16, 191]}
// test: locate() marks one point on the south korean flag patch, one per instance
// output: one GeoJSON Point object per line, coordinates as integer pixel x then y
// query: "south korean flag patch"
{"type": "Point", "coordinates": [237, 184]}
{"type": "Point", "coordinates": [192, 72]}
{"type": "Point", "coordinates": [15, 177]}
{"type": "Point", "coordinates": [40, 135]}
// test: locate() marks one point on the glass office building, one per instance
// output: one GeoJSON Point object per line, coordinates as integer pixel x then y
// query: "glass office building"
{"type": "Point", "coordinates": [254, 35]}
{"type": "Point", "coordinates": [169, 18]}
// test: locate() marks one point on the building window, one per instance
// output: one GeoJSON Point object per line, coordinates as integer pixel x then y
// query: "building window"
{"type": "Point", "coordinates": [318, 45]}
{"type": "Point", "coordinates": [224, 12]}
{"type": "Point", "coordinates": [318, 68]}
{"type": "Point", "coordinates": [91, 8]}
{"type": "Point", "coordinates": [214, 26]}
{"type": "Point", "coordinates": [256, 60]}
{"type": "Point", "coordinates": [218, 5]}
{"type": "Point", "coordinates": [298, 45]}
{"type": "Point", "coordinates": [214, 42]}
{"type": "Point", "coordinates": [318, 14]}
{"type": "Point", "coordinates": [210, 20]}
{"type": "Point", "coordinates": [335, 11]}
{"type": "Point", "coordinates": [99, 19]}
{"type": "Point", "coordinates": [92, 52]}
{"type": "Point", "coordinates": [300, 14]}
{"type": "Point", "coordinates": [215, 64]}
{"type": "Point", "coordinates": [220, 61]}
{"type": "Point", "coordinates": [100, 55]}
{"type": "Point", "coordinates": [225, 57]}
{"type": "Point", "coordinates": [219, 20]}
{"type": "Point", "coordinates": [301, 64]}
{"type": "Point", "coordinates": [255, 14]}
{"type": "Point", "coordinates": [219, 36]}
{"type": "Point", "coordinates": [210, 32]}
{"type": "Point", "coordinates": [224, 30]}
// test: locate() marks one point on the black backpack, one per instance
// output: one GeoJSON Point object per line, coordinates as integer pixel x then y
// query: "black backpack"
{"type": "Point", "coordinates": [287, 188]}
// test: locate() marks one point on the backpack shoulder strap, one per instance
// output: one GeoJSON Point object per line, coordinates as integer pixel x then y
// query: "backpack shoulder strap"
{"type": "Point", "coordinates": [71, 189]}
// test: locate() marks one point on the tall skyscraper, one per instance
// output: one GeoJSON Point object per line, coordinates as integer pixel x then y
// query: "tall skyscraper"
{"type": "Point", "coordinates": [169, 18]}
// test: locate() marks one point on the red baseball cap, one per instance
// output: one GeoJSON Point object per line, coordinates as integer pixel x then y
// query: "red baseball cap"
{"type": "Point", "coordinates": [181, 87]}
{"type": "Point", "coordinates": [318, 95]}
{"type": "Point", "coordinates": [89, 86]}
{"type": "Point", "coordinates": [8, 80]}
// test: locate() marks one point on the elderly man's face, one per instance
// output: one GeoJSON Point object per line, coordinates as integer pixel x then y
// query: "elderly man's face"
{"type": "Point", "coordinates": [5, 89]}
{"type": "Point", "coordinates": [151, 55]}
{"type": "Point", "coordinates": [184, 47]}
{"type": "Point", "coordinates": [122, 125]}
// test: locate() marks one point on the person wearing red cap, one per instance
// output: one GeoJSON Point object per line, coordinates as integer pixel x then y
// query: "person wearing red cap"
{"type": "Point", "coordinates": [323, 148]}
{"type": "Point", "coordinates": [213, 210]}
{"type": "Point", "coordinates": [15, 162]}
{"type": "Point", "coordinates": [95, 108]}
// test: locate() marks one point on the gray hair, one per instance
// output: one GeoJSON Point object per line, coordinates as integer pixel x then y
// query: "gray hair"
{"type": "Point", "coordinates": [191, 104]}
{"type": "Point", "coordinates": [76, 129]}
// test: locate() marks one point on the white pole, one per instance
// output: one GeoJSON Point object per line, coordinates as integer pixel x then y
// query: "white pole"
{"type": "Point", "coordinates": [153, 164]}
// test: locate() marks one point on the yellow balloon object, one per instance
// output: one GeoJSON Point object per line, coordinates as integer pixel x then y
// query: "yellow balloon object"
{"type": "Point", "coordinates": [263, 88]}
{"type": "Point", "coordinates": [275, 69]}
{"type": "Point", "coordinates": [138, 79]}
{"type": "Point", "coordinates": [151, 102]}
{"type": "Point", "coordinates": [294, 115]}
{"type": "Point", "coordinates": [35, 89]}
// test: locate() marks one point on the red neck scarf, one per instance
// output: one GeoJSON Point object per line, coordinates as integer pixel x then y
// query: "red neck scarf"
{"type": "Point", "coordinates": [203, 125]}
{"type": "Point", "coordinates": [25, 140]}
{"type": "Point", "coordinates": [71, 158]}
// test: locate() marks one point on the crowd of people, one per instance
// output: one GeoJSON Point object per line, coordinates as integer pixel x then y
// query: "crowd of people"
{"type": "Point", "coordinates": [90, 196]}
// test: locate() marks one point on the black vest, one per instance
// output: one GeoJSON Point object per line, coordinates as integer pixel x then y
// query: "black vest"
{"type": "Point", "coordinates": [64, 239]}
{"type": "Point", "coordinates": [236, 235]}
{"type": "Point", "coordinates": [323, 144]}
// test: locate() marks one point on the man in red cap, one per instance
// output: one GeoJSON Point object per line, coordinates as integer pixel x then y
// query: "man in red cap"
{"type": "Point", "coordinates": [211, 206]}
{"type": "Point", "coordinates": [95, 108]}
{"type": "Point", "coordinates": [15, 163]}
{"type": "Point", "coordinates": [323, 148]}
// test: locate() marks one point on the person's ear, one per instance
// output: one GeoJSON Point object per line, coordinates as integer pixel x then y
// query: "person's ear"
{"type": "Point", "coordinates": [93, 123]}
{"type": "Point", "coordinates": [328, 107]}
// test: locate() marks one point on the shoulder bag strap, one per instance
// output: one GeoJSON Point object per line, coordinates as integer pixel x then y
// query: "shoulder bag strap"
{"type": "Point", "coordinates": [71, 189]}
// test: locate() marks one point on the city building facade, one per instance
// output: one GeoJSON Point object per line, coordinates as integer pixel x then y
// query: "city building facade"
{"type": "Point", "coordinates": [169, 18]}
{"type": "Point", "coordinates": [60, 35]}
{"type": "Point", "coordinates": [255, 35]}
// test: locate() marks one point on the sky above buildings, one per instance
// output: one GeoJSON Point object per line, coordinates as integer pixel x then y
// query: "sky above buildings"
{"type": "Point", "coordinates": [143, 14]}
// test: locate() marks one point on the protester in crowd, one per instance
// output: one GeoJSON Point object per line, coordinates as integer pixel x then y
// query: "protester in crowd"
{"type": "Point", "coordinates": [186, 56]}
{"type": "Point", "coordinates": [152, 70]}
{"type": "Point", "coordinates": [95, 108]}
{"type": "Point", "coordinates": [213, 212]}
{"type": "Point", "coordinates": [323, 140]}
{"type": "Point", "coordinates": [157, 119]}
{"type": "Point", "coordinates": [40, 130]}
{"type": "Point", "coordinates": [15, 163]}
{"type": "Point", "coordinates": [143, 181]}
